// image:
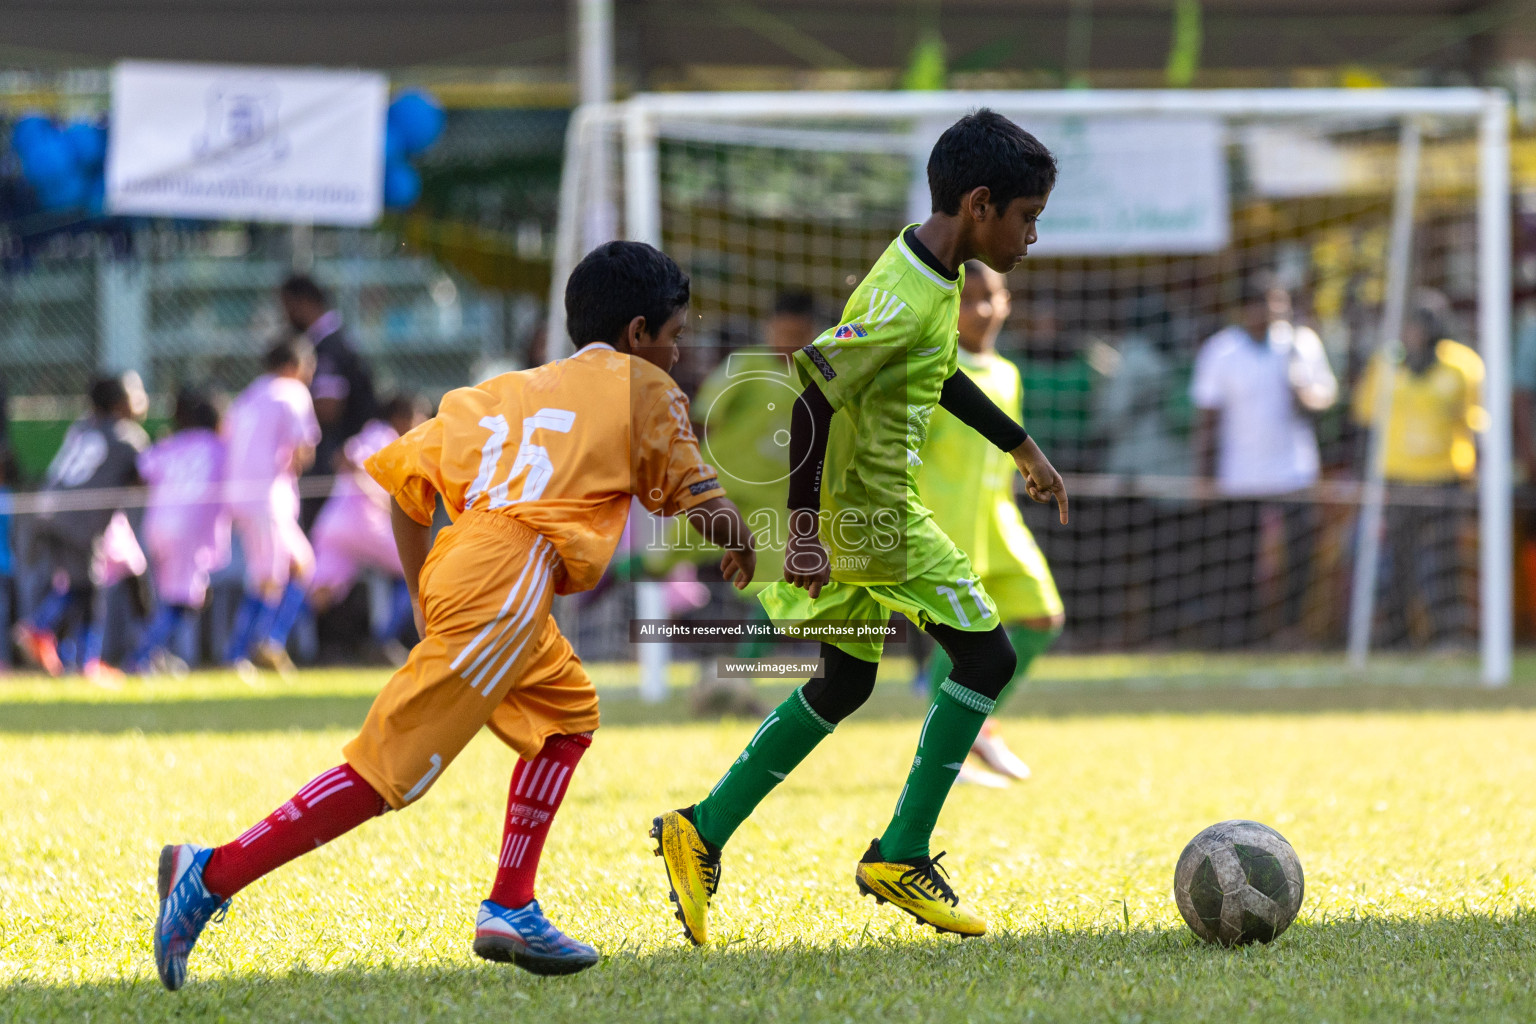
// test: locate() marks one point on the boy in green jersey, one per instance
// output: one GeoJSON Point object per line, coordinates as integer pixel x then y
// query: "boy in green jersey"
{"type": "Point", "coordinates": [861, 543]}
{"type": "Point", "coordinates": [968, 485]}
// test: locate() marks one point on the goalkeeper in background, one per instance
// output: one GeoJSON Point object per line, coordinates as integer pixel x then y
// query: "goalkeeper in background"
{"type": "Point", "coordinates": [968, 485]}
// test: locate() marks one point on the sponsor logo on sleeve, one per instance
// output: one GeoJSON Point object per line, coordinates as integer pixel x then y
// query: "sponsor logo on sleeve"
{"type": "Point", "coordinates": [703, 486]}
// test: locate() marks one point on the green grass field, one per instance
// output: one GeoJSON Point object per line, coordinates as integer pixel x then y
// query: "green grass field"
{"type": "Point", "coordinates": [1411, 807]}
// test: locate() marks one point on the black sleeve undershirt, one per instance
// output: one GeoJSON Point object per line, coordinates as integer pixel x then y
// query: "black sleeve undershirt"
{"type": "Point", "coordinates": [966, 402]}
{"type": "Point", "coordinates": [809, 425]}
{"type": "Point", "coordinates": [811, 420]}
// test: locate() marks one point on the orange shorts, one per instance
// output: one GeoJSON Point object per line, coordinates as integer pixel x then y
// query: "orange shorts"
{"type": "Point", "coordinates": [492, 656]}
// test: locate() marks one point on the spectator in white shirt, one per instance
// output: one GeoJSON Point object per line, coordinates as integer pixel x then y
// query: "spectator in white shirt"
{"type": "Point", "coordinates": [1256, 385]}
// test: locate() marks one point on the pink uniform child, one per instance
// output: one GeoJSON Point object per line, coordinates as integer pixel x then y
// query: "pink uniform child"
{"type": "Point", "coordinates": [270, 434]}
{"type": "Point", "coordinates": [118, 555]}
{"type": "Point", "coordinates": [352, 531]}
{"type": "Point", "coordinates": [186, 525]}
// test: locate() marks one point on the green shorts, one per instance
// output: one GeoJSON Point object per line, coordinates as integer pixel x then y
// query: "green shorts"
{"type": "Point", "coordinates": [1015, 572]}
{"type": "Point", "coordinates": [948, 592]}
{"type": "Point", "coordinates": [1021, 596]}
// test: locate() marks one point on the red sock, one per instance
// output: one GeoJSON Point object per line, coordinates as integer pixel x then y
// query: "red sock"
{"type": "Point", "coordinates": [538, 786]}
{"type": "Point", "coordinates": [333, 802]}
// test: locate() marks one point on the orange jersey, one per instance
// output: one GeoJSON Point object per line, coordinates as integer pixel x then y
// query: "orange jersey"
{"type": "Point", "coordinates": [561, 448]}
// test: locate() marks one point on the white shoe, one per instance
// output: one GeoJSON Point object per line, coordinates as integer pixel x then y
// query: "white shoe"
{"type": "Point", "coordinates": [980, 777]}
{"type": "Point", "coordinates": [164, 663]}
{"type": "Point", "coordinates": [994, 753]}
{"type": "Point", "coordinates": [273, 656]}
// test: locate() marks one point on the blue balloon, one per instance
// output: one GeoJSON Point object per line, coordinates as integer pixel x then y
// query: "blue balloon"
{"type": "Point", "coordinates": [402, 186]}
{"type": "Point", "coordinates": [29, 128]}
{"type": "Point", "coordinates": [63, 193]}
{"type": "Point", "coordinates": [394, 146]}
{"type": "Point", "coordinates": [417, 119]}
{"type": "Point", "coordinates": [96, 197]}
{"type": "Point", "coordinates": [89, 143]}
{"type": "Point", "coordinates": [47, 158]}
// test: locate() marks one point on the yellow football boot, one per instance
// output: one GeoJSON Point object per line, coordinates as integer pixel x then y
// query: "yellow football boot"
{"type": "Point", "coordinates": [693, 871]}
{"type": "Point", "coordinates": [917, 886]}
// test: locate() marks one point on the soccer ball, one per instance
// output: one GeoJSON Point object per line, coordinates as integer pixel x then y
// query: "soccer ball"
{"type": "Point", "coordinates": [1237, 882]}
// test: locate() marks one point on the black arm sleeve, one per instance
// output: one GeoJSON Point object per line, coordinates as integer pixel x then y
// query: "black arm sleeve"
{"type": "Point", "coordinates": [809, 425]}
{"type": "Point", "coordinates": [965, 401]}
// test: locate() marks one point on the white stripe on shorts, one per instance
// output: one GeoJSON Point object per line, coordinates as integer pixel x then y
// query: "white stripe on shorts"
{"type": "Point", "coordinates": [511, 594]}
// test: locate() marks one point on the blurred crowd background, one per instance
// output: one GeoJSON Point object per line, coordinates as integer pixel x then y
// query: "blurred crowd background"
{"type": "Point", "coordinates": [1127, 362]}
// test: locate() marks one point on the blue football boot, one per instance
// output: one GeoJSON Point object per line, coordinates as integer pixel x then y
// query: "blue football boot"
{"type": "Point", "coordinates": [186, 907]}
{"type": "Point", "coordinates": [526, 938]}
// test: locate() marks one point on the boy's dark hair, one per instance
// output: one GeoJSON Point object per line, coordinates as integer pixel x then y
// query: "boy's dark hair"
{"type": "Point", "coordinates": [617, 282]}
{"type": "Point", "coordinates": [286, 353]}
{"type": "Point", "coordinates": [402, 405]}
{"type": "Point", "coordinates": [795, 302]}
{"type": "Point", "coordinates": [194, 410]}
{"type": "Point", "coordinates": [304, 288]}
{"type": "Point", "coordinates": [107, 393]}
{"type": "Point", "coordinates": [985, 148]}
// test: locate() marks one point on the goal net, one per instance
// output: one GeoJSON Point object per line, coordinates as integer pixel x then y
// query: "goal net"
{"type": "Point", "coordinates": [1371, 226]}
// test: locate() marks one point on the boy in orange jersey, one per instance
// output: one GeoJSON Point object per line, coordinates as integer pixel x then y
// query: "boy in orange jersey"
{"type": "Point", "coordinates": [537, 469]}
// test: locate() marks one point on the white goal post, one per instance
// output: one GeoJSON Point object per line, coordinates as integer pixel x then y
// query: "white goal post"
{"type": "Point", "coordinates": [613, 187]}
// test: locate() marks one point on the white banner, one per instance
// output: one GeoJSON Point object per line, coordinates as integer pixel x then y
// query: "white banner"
{"type": "Point", "coordinates": [1130, 185]}
{"type": "Point", "coordinates": [1285, 163]}
{"type": "Point", "coordinates": [230, 142]}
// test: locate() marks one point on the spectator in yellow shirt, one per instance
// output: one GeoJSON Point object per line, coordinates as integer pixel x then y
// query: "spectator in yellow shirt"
{"type": "Point", "coordinates": [1436, 408]}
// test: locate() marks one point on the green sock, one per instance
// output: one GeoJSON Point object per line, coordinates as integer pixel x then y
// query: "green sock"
{"type": "Point", "coordinates": [790, 731]}
{"type": "Point", "coordinates": [1028, 644]}
{"type": "Point", "coordinates": [949, 730]}
{"type": "Point", "coordinates": [755, 647]}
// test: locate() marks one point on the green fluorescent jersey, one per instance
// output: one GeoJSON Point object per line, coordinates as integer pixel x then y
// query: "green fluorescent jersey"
{"type": "Point", "coordinates": [969, 483]}
{"type": "Point", "coordinates": [882, 369]}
